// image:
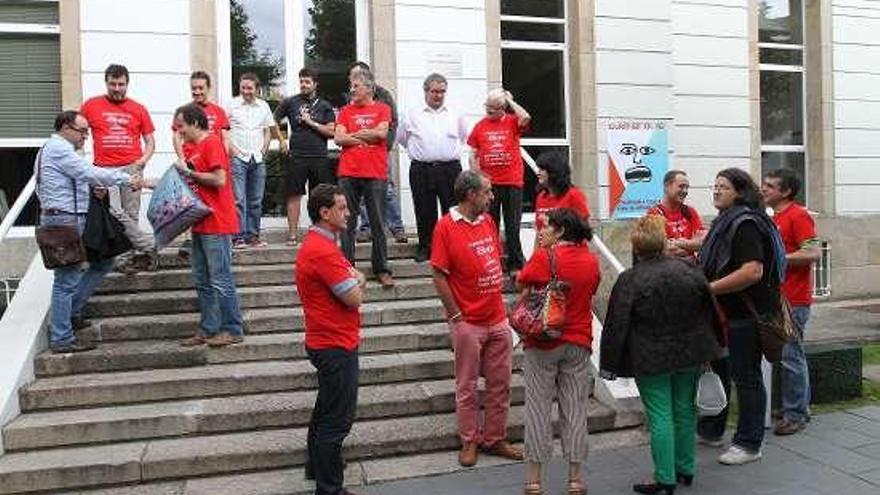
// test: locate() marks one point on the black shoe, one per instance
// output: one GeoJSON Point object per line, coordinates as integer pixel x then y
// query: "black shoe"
{"type": "Point", "coordinates": [684, 479]}
{"type": "Point", "coordinates": [421, 256]}
{"type": "Point", "coordinates": [310, 472]}
{"type": "Point", "coordinates": [74, 347]}
{"type": "Point", "coordinates": [653, 488]}
{"type": "Point", "coordinates": [78, 323]}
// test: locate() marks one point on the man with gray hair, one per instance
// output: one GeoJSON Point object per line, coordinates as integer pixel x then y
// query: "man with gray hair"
{"type": "Point", "coordinates": [432, 134]}
{"type": "Point", "coordinates": [361, 132]}
{"type": "Point", "coordinates": [466, 266]}
{"type": "Point", "coordinates": [495, 142]}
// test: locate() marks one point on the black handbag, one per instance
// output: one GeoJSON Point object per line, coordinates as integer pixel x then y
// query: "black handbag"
{"type": "Point", "coordinates": [104, 235]}
{"type": "Point", "coordinates": [60, 245]}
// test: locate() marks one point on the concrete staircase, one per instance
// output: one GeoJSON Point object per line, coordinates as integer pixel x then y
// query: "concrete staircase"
{"type": "Point", "coordinates": [143, 415]}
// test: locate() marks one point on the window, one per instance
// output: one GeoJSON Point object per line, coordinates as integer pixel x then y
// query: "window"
{"type": "Point", "coordinates": [783, 123]}
{"type": "Point", "coordinates": [276, 38]}
{"type": "Point", "coordinates": [30, 91]}
{"type": "Point", "coordinates": [534, 67]}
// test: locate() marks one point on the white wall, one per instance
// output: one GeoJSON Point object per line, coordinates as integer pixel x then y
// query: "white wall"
{"type": "Point", "coordinates": [856, 66]}
{"type": "Point", "coordinates": [152, 40]}
{"type": "Point", "coordinates": [445, 36]}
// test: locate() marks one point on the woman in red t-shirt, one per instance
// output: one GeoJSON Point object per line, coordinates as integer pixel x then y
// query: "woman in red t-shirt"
{"type": "Point", "coordinates": [555, 189]}
{"type": "Point", "coordinates": [561, 368]}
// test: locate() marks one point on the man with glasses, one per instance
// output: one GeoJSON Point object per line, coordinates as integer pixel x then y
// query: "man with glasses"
{"type": "Point", "coordinates": [119, 126]}
{"type": "Point", "coordinates": [495, 143]}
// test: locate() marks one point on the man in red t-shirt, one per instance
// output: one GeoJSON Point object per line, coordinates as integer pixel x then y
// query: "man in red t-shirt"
{"type": "Point", "coordinates": [221, 320]}
{"type": "Point", "coordinates": [495, 143]}
{"type": "Point", "coordinates": [798, 232]}
{"type": "Point", "coordinates": [684, 227]}
{"type": "Point", "coordinates": [466, 266]}
{"type": "Point", "coordinates": [331, 291]}
{"type": "Point", "coordinates": [361, 132]}
{"type": "Point", "coordinates": [119, 126]}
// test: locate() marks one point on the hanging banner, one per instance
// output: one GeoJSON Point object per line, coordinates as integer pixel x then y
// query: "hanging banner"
{"type": "Point", "coordinates": [638, 158]}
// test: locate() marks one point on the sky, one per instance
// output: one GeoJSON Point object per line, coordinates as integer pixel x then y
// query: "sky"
{"type": "Point", "coordinates": [267, 22]}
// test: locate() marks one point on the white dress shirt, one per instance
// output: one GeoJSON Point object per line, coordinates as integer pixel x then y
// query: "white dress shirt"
{"type": "Point", "coordinates": [430, 135]}
{"type": "Point", "coordinates": [247, 123]}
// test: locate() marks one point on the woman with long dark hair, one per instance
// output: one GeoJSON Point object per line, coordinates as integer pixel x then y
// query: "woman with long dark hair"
{"type": "Point", "coordinates": [743, 258]}
{"type": "Point", "coordinates": [561, 367]}
{"type": "Point", "coordinates": [555, 189]}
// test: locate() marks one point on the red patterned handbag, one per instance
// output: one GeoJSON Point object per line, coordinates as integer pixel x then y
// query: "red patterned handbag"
{"type": "Point", "coordinates": [539, 314]}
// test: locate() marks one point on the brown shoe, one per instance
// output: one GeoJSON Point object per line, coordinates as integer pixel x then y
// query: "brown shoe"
{"type": "Point", "coordinates": [385, 280]}
{"type": "Point", "coordinates": [468, 455]}
{"type": "Point", "coordinates": [785, 427]}
{"type": "Point", "coordinates": [401, 238]}
{"type": "Point", "coordinates": [195, 340]}
{"type": "Point", "coordinates": [503, 448]}
{"type": "Point", "coordinates": [224, 339]}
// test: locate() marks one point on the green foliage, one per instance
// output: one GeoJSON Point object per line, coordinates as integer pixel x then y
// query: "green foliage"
{"type": "Point", "coordinates": [245, 57]}
{"type": "Point", "coordinates": [871, 355]}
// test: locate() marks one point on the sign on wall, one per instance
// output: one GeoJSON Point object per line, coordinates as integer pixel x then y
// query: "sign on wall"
{"type": "Point", "coordinates": [638, 158]}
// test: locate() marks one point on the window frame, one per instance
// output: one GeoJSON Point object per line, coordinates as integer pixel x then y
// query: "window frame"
{"type": "Point", "coordinates": [801, 68]}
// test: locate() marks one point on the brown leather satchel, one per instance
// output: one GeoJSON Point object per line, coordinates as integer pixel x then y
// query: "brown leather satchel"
{"type": "Point", "coordinates": [60, 245]}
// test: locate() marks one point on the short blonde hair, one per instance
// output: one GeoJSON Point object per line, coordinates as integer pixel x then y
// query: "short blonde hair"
{"type": "Point", "coordinates": [496, 97]}
{"type": "Point", "coordinates": [648, 235]}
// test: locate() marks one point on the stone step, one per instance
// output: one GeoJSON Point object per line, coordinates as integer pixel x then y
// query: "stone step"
{"type": "Point", "coordinates": [274, 254]}
{"type": "Point", "coordinates": [182, 301]}
{"type": "Point", "coordinates": [155, 354]}
{"type": "Point", "coordinates": [153, 460]}
{"type": "Point", "coordinates": [245, 275]}
{"type": "Point", "coordinates": [257, 320]}
{"type": "Point", "coordinates": [223, 414]}
{"type": "Point", "coordinates": [98, 389]}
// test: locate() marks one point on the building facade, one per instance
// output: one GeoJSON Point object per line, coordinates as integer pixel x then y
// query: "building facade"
{"type": "Point", "coordinates": [755, 84]}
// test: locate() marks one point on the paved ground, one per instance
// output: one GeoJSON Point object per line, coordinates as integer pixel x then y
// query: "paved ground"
{"type": "Point", "coordinates": [838, 454]}
{"type": "Point", "coordinates": [855, 321]}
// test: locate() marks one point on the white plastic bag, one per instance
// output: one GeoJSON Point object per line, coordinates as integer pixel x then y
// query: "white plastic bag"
{"type": "Point", "coordinates": [710, 398]}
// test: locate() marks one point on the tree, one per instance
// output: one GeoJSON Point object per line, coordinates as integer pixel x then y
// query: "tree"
{"type": "Point", "coordinates": [245, 57]}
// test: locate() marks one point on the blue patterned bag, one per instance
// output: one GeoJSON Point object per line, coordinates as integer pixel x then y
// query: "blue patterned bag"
{"type": "Point", "coordinates": [174, 208]}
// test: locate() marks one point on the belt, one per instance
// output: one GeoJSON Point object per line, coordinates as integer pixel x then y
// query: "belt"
{"type": "Point", "coordinates": [54, 211]}
{"type": "Point", "coordinates": [438, 162]}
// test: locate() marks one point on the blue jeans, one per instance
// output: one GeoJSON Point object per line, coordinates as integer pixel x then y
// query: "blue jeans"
{"type": "Point", "coordinates": [72, 286]}
{"type": "Point", "coordinates": [744, 342]}
{"type": "Point", "coordinates": [212, 276]}
{"type": "Point", "coordinates": [390, 210]}
{"type": "Point", "coordinates": [249, 184]}
{"type": "Point", "coordinates": [795, 374]}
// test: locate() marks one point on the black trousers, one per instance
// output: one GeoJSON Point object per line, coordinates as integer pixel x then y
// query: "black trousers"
{"type": "Point", "coordinates": [373, 193]}
{"type": "Point", "coordinates": [508, 202]}
{"type": "Point", "coordinates": [431, 182]}
{"type": "Point", "coordinates": [332, 417]}
{"type": "Point", "coordinates": [712, 427]}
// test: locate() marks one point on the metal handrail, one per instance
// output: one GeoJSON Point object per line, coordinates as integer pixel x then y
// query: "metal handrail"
{"type": "Point", "coordinates": [17, 207]}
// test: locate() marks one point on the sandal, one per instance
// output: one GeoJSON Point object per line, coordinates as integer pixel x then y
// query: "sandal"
{"type": "Point", "coordinates": [576, 487]}
{"type": "Point", "coordinates": [291, 241]}
{"type": "Point", "coordinates": [533, 489]}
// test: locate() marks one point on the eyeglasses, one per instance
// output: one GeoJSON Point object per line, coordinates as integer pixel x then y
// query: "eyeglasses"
{"type": "Point", "coordinates": [84, 132]}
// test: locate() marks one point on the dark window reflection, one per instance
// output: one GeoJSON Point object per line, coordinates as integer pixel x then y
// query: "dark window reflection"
{"type": "Point", "coordinates": [533, 8]}
{"type": "Point", "coordinates": [773, 160]}
{"type": "Point", "coordinates": [16, 168]}
{"type": "Point", "coordinates": [782, 57]}
{"type": "Point", "coordinates": [535, 77]}
{"type": "Point", "coordinates": [782, 108]}
{"type": "Point", "coordinates": [331, 45]}
{"type": "Point", "coordinates": [781, 21]}
{"type": "Point", "coordinates": [526, 31]}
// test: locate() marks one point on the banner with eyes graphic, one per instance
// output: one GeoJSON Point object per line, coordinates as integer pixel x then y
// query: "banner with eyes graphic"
{"type": "Point", "coordinates": [638, 158]}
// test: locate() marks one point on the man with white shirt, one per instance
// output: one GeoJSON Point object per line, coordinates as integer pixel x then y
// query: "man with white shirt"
{"type": "Point", "coordinates": [251, 121]}
{"type": "Point", "coordinates": [432, 135]}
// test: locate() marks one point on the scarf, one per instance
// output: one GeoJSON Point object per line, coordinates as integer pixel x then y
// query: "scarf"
{"type": "Point", "coordinates": [716, 250]}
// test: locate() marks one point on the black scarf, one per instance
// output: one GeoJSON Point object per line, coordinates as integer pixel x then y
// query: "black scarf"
{"type": "Point", "coordinates": [716, 250]}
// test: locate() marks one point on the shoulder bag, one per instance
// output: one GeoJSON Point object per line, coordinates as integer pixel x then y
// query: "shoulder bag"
{"type": "Point", "coordinates": [540, 314]}
{"type": "Point", "coordinates": [60, 245]}
{"type": "Point", "coordinates": [776, 327]}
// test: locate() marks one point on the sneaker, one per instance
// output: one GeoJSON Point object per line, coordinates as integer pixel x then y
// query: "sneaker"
{"type": "Point", "coordinates": [73, 347]}
{"type": "Point", "coordinates": [710, 442]}
{"type": "Point", "coordinates": [785, 427]}
{"type": "Point", "coordinates": [196, 340]}
{"type": "Point", "coordinates": [363, 236]}
{"type": "Point", "coordinates": [223, 340]}
{"type": "Point", "coordinates": [385, 280]}
{"type": "Point", "coordinates": [78, 323]}
{"type": "Point", "coordinates": [239, 244]}
{"type": "Point", "coordinates": [503, 448]}
{"type": "Point", "coordinates": [736, 455]}
{"type": "Point", "coordinates": [401, 238]}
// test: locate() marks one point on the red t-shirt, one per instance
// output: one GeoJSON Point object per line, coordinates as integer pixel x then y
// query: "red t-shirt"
{"type": "Point", "coordinates": [369, 161]}
{"type": "Point", "coordinates": [677, 225]}
{"type": "Point", "coordinates": [796, 227]}
{"type": "Point", "coordinates": [117, 129]}
{"type": "Point", "coordinates": [573, 199]}
{"type": "Point", "coordinates": [579, 268]}
{"type": "Point", "coordinates": [497, 147]}
{"type": "Point", "coordinates": [323, 274]}
{"type": "Point", "coordinates": [470, 255]}
{"type": "Point", "coordinates": [217, 123]}
{"type": "Point", "coordinates": [208, 155]}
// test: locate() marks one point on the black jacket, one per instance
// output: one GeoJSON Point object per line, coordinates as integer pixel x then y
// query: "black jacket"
{"type": "Point", "coordinates": [659, 319]}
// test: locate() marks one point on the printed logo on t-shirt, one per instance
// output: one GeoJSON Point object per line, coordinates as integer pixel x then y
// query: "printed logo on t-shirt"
{"type": "Point", "coordinates": [117, 135]}
{"type": "Point", "coordinates": [678, 229]}
{"type": "Point", "coordinates": [497, 153]}
{"type": "Point", "coordinates": [491, 279]}
{"type": "Point", "coordinates": [366, 120]}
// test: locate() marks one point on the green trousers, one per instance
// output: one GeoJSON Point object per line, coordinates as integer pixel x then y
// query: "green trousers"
{"type": "Point", "coordinates": [672, 421]}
